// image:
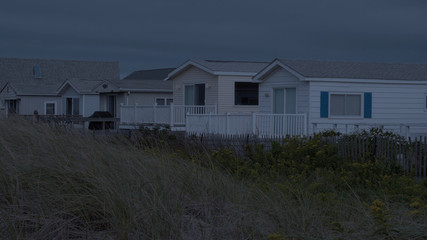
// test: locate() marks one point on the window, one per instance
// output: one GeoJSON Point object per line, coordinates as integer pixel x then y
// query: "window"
{"type": "Point", "coordinates": [346, 105]}
{"type": "Point", "coordinates": [37, 72]}
{"type": "Point", "coordinates": [245, 93]}
{"type": "Point", "coordinates": [50, 108]}
{"type": "Point", "coordinates": [163, 101]}
{"type": "Point", "coordinates": [72, 106]}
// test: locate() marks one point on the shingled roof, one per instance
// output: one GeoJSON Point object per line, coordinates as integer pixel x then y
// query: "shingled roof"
{"type": "Point", "coordinates": [152, 74]}
{"type": "Point", "coordinates": [357, 70]}
{"type": "Point", "coordinates": [20, 74]}
{"type": "Point", "coordinates": [146, 81]}
{"type": "Point", "coordinates": [217, 67]}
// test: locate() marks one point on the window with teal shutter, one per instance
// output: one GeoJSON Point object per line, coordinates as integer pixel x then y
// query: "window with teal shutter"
{"type": "Point", "coordinates": [367, 105]}
{"type": "Point", "coordinates": [324, 104]}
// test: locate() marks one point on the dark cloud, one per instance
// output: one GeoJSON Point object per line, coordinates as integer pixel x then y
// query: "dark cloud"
{"type": "Point", "coordinates": [164, 33]}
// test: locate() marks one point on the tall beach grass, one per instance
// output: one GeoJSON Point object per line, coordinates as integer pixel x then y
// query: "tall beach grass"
{"type": "Point", "coordinates": [59, 184]}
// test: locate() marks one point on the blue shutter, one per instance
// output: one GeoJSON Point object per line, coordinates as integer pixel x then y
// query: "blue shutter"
{"type": "Point", "coordinates": [367, 105]}
{"type": "Point", "coordinates": [324, 104]}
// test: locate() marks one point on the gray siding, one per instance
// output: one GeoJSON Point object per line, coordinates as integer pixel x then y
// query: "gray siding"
{"type": "Point", "coordinates": [281, 78]}
{"type": "Point", "coordinates": [194, 75]}
{"type": "Point", "coordinates": [91, 104]}
{"type": "Point", "coordinates": [29, 104]}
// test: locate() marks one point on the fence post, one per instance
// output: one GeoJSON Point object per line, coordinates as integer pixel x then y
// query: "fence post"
{"type": "Point", "coordinates": [155, 113]}
{"type": "Point", "coordinates": [227, 123]}
{"type": "Point", "coordinates": [134, 113]}
{"type": "Point", "coordinates": [121, 113]}
{"type": "Point", "coordinates": [253, 123]}
{"type": "Point", "coordinates": [305, 125]}
{"type": "Point", "coordinates": [186, 121]}
{"type": "Point", "coordinates": [171, 115]}
{"type": "Point", "coordinates": [209, 122]}
{"type": "Point", "coordinates": [216, 108]}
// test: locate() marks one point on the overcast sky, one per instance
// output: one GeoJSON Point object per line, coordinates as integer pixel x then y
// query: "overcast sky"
{"type": "Point", "coordinates": [148, 34]}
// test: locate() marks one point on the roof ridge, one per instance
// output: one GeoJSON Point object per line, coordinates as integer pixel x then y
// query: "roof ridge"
{"type": "Point", "coordinates": [239, 61]}
{"type": "Point", "coordinates": [349, 61]}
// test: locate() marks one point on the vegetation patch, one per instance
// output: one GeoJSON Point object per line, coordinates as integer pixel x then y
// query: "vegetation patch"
{"type": "Point", "coordinates": [55, 183]}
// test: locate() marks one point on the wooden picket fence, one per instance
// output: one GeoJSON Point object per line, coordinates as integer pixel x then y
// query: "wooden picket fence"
{"type": "Point", "coordinates": [411, 154]}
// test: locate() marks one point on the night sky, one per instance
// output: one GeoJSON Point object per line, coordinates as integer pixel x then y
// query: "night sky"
{"type": "Point", "coordinates": [165, 33]}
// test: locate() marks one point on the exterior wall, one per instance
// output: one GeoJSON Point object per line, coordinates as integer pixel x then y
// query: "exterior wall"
{"type": "Point", "coordinates": [281, 78]}
{"type": "Point", "coordinates": [392, 104]}
{"type": "Point", "coordinates": [194, 75]}
{"type": "Point", "coordinates": [28, 104]}
{"type": "Point", "coordinates": [91, 104]}
{"type": "Point", "coordinates": [226, 101]}
{"type": "Point", "coordinates": [146, 98]}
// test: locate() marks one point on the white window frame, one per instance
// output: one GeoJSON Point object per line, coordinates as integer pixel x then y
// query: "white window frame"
{"type": "Point", "coordinates": [425, 102]}
{"type": "Point", "coordinates": [165, 99]}
{"type": "Point", "coordinates": [362, 110]}
{"type": "Point", "coordinates": [55, 108]}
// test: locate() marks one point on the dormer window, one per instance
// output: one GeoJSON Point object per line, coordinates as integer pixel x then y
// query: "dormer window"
{"type": "Point", "coordinates": [37, 72]}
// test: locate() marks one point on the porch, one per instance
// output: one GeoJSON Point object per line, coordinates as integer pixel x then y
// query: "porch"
{"type": "Point", "coordinates": [262, 125]}
{"type": "Point", "coordinates": [172, 115]}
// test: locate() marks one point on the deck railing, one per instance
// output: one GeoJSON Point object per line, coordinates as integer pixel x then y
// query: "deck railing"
{"type": "Point", "coordinates": [172, 115]}
{"type": "Point", "coordinates": [263, 125]}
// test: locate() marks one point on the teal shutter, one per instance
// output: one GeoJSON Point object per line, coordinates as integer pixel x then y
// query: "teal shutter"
{"type": "Point", "coordinates": [367, 105]}
{"type": "Point", "coordinates": [324, 104]}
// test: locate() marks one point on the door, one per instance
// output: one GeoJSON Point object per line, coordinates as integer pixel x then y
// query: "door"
{"type": "Point", "coordinates": [72, 106]}
{"type": "Point", "coordinates": [111, 105]}
{"type": "Point", "coordinates": [195, 95]}
{"type": "Point", "coordinates": [12, 106]}
{"type": "Point", "coordinates": [284, 102]}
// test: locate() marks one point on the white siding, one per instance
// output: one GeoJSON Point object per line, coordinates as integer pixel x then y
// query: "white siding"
{"type": "Point", "coordinates": [146, 98]}
{"type": "Point", "coordinates": [91, 104]}
{"type": "Point", "coordinates": [226, 101]}
{"type": "Point", "coordinates": [194, 75]}
{"type": "Point", "coordinates": [281, 78]}
{"type": "Point", "coordinates": [391, 103]}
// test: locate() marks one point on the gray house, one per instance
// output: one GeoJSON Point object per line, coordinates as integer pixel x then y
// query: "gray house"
{"type": "Point", "coordinates": [53, 87]}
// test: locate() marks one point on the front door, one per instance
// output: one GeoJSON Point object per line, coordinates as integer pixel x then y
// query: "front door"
{"type": "Point", "coordinates": [284, 102]}
{"type": "Point", "coordinates": [12, 106]}
{"type": "Point", "coordinates": [111, 105]}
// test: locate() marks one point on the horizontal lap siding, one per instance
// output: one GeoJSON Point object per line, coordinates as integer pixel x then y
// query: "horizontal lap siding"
{"type": "Point", "coordinates": [194, 75]}
{"type": "Point", "coordinates": [391, 103]}
{"type": "Point", "coordinates": [29, 104]}
{"type": "Point", "coordinates": [226, 86]}
{"type": "Point", "coordinates": [281, 78]}
{"type": "Point", "coordinates": [146, 98]}
{"type": "Point", "coordinates": [91, 104]}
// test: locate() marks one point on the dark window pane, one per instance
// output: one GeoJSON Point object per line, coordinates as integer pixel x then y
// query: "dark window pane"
{"type": "Point", "coordinates": [245, 93]}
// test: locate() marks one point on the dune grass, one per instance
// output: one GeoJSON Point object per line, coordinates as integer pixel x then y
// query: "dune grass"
{"type": "Point", "coordinates": [58, 184]}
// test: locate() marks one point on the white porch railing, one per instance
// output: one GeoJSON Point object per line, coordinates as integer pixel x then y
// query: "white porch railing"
{"type": "Point", "coordinates": [152, 114]}
{"type": "Point", "coordinates": [263, 125]}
